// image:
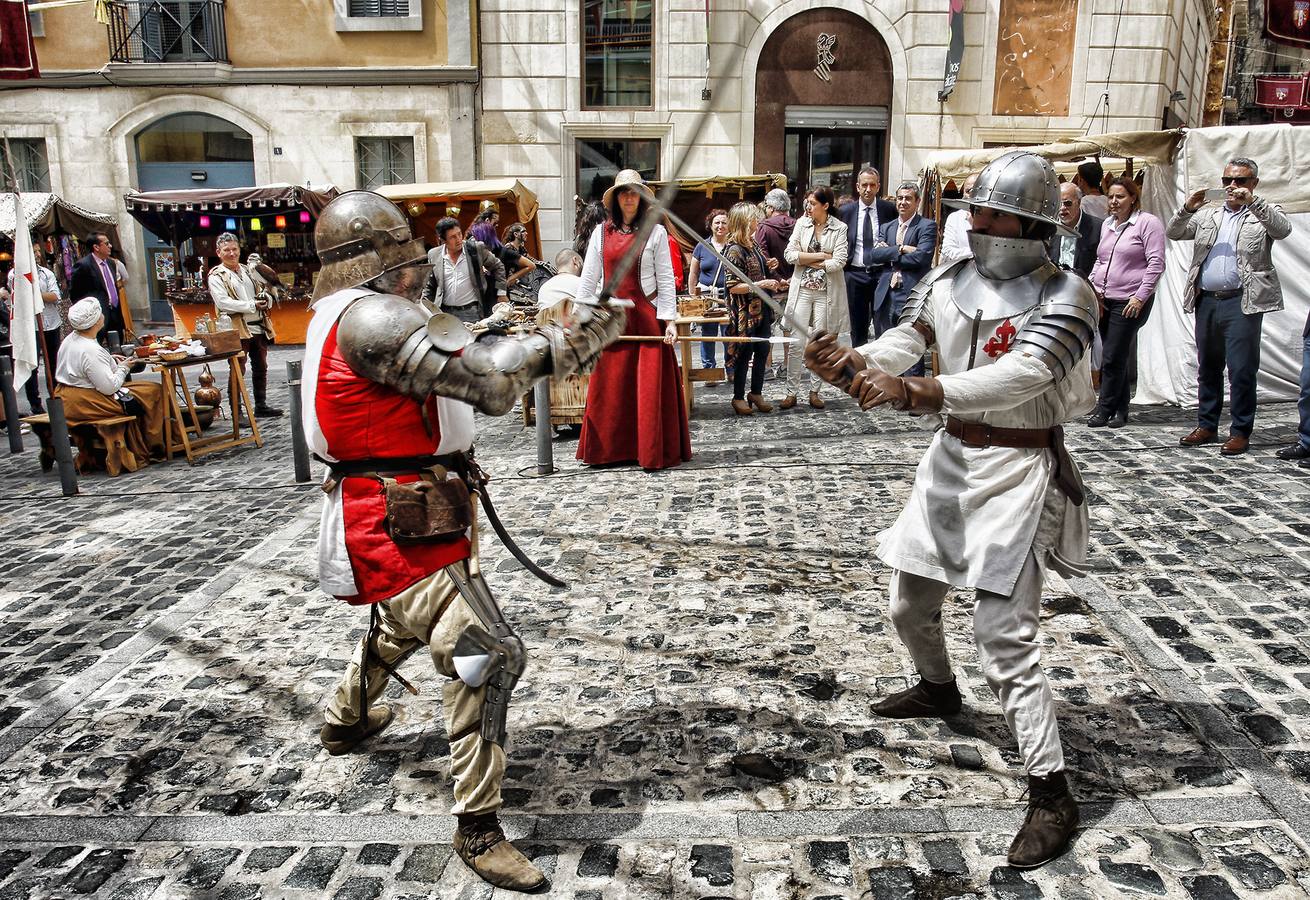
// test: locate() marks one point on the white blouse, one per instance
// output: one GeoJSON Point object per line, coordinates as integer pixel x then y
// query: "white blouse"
{"type": "Point", "coordinates": [85, 364]}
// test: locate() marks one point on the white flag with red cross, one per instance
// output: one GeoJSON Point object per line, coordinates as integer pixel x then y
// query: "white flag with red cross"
{"type": "Point", "coordinates": [26, 298]}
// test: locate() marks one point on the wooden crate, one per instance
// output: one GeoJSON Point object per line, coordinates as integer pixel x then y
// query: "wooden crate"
{"type": "Point", "coordinates": [219, 341]}
{"type": "Point", "coordinates": [692, 306]}
{"type": "Point", "coordinates": [568, 401]}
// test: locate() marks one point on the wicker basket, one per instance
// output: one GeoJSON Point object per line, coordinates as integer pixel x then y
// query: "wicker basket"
{"type": "Point", "coordinates": [568, 401]}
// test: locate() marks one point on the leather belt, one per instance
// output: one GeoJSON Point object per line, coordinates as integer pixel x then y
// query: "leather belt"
{"type": "Point", "coordinates": [1223, 295]}
{"type": "Point", "coordinates": [867, 270]}
{"type": "Point", "coordinates": [980, 435]}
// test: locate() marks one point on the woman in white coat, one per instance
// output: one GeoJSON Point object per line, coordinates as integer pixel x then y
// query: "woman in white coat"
{"type": "Point", "coordinates": [817, 296]}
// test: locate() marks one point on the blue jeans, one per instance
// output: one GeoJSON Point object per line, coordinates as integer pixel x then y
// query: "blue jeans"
{"type": "Point", "coordinates": [1225, 337]}
{"type": "Point", "coordinates": [708, 329]}
{"type": "Point", "coordinates": [1303, 405]}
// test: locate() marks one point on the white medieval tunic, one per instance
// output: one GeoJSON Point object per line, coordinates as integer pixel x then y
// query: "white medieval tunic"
{"type": "Point", "coordinates": [975, 513]}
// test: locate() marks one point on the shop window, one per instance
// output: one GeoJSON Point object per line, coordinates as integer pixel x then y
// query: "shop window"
{"type": "Point", "coordinates": [616, 50]}
{"type": "Point", "coordinates": [600, 160]}
{"type": "Point", "coordinates": [379, 15]}
{"type": "Point", "coordinates": [384, 160]}
{"type": "Point", "coordinates": [30, 161]}
{"type": "Point", "coordinates": [36, 21]}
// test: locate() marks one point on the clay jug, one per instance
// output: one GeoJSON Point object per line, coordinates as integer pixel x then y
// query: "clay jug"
{"type": "Point", "coordinates": [207, 394]}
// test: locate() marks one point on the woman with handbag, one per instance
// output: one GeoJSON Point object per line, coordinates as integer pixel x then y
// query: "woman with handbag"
{"type": "Point", "coordinates": [748, 315]}
{"type": "Point", "coordinates": [635, 410]}
{"type": "Point", "coordinates": [816, 296]}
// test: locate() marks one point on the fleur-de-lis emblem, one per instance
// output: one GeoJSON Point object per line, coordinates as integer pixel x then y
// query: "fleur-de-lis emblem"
{"type": "Point", "coordinates": [999, 343]}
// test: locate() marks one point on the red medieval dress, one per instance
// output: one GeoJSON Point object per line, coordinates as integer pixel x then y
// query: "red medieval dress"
{"type": "Point", "coordinates": [635, 410]}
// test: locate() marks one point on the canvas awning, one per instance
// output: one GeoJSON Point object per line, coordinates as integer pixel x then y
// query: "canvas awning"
{"type": "Point", "coordinates": [173, 214]}
{"type": "Point", "coordinates": [505, 189]}
{"type": "Point", "coordinates": [1144, 147]}
{"type": "Point", "coordinates": [51, 214]}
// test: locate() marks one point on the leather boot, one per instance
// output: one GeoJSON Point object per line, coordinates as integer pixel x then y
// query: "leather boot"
{"type": "Point", "coordinates": [787, 402]}
{"type": "Point", "coordinates": [759, 403]}
{"type": "Point", "coordinates": [1052, 818]}
{"type": "Point", "coordinates": [924, 700]}
{"type": "Point", "coordinates": [339, 739]}
{"type": "Point", "coordinates": [482, 845]}
{"type": "Point", "coordinates": [742, 408]}
{"type": "Point", "coordinates": [816, 401]}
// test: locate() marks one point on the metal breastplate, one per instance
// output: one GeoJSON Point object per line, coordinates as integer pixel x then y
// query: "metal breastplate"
{"type": "Point", "coordinates": [972, 292]}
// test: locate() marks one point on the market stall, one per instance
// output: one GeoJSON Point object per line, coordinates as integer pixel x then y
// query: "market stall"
{"type": "Point", "coordinates": [425, 204]}
{"type": "Point", "coordinates": [58, 228]}
{"type": "Point", "coordinates": [697, 196]}
{"type": "Point", "coordinates": [275, 220]}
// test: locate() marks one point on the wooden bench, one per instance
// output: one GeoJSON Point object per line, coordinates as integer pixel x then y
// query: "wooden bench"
{"type": "Point", "coordinates": [107, 436]}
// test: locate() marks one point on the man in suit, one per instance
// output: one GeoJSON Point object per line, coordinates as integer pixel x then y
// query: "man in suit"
{"type": "Point", "coordinates": [904, 249]}
{"type": "Point", "coordinates": [466, 279]}
{"type": "Point", "coordinates": [863, 219]}
{"type": "Point", "coordinates": [1076, 254]}
{"type": "Point", "coordinates": [94, 275]}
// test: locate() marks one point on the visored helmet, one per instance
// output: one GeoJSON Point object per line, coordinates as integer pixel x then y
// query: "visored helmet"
{"type": "Point", "coordinates": [1022, 184]}
{"type": "Point", "coordinates": [359, 236]}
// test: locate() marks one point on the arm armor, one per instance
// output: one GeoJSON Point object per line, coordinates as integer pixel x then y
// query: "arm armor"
{"type": "Point", "coordinates": [393, 341]}
{"type": "Point", "coordinates": [1061, 331]}
{"type": "Point", "coordinates": [915, 304]}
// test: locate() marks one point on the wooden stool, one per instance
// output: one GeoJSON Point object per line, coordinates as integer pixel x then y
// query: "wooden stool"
{"type": "Point", "coordinates": [113, 434]}
{"type": "Point", "coordinates": [108, 434]}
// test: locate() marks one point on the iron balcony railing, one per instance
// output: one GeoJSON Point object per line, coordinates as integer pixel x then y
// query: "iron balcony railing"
{"type": "Point", "coordinates": [167, 31]}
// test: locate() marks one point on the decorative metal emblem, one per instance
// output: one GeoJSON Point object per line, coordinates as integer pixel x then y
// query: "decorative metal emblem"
{"type": "Point", "coordinates": [826, 43]}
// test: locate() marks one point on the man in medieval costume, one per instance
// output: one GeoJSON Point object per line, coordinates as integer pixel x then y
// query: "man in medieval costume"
{"type": "Point", "coordinates": [388, 393]}
{"type": "Point", "coordinates": [996, 498]}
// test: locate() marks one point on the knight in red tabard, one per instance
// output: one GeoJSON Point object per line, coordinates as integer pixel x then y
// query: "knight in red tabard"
{"type": "Point", "coordinates": [996, 498]}
{"type": "Point", "coordinates": [388, 392]}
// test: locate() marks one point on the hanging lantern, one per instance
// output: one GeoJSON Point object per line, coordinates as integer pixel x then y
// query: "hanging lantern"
{"type": "Point", "coordinates": [416, 208]}
{"type": "Point", "coordinates": [256, 225]}
{"type": "Point", "coordinates": [230, 224]}
{"type": "Point", "coordinates": [304, 217]}
{"type": "Point", "coordinates": [204, 221]}
{"type": "Point", "coordinates": [452, 210]}
{"type": "Point", "coordinates": [280, 221]}
{"type": "Point", "coordinates": [486, 205]}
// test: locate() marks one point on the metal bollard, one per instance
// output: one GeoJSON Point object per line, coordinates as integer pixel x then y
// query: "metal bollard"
{"type": "Point", "coordinates": [299, 449]}
{"type": "Point", "coordinates": [63, 450]}
{"type": "Point", "coordinates": [11, 404]}
{"type": "Point", "coordinates": [545, 446]}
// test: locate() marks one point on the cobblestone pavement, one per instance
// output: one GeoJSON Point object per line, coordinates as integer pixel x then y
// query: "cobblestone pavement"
{"type": "Point", "coordinates": [695, 719]}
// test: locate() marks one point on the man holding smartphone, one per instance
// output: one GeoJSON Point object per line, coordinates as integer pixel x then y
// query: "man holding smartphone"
{"type": "Point", "coordinates": [1230, 286]}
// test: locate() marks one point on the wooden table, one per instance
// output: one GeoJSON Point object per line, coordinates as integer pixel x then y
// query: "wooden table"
{"type": "Point", "coordinates": [173, 375]}
{"type": "Point", "coordinates": [689, 375]}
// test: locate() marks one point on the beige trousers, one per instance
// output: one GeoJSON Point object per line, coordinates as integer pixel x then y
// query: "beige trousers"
{"type": "Point", "coordinates": [1005, 631]}
{"type": "Point", "coordinates": [811, 310]}
{"type": "Point", "coordinates": [431, 613]}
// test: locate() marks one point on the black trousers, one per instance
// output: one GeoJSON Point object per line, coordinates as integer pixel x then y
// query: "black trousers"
{"type": "Point", "coordinates": [1118, 335]}
{"type": "Point", "coordinates": [113, 322]}
{"type": "Point", "coordinates": [256, 347]}
{"type": "Point", "coordinates": [756, 355]}
{"type": "Point", "coordinates": [860, 288]}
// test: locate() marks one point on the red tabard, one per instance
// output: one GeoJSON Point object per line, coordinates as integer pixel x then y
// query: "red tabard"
{"type": "Point", "coordinates": [362, 419]}
{"type": "Point", "coordinates": [635, 411]}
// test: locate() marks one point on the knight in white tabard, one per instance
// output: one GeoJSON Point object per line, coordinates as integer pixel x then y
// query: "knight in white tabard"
{"type": "Point", "coordinates": [388, 395]}
{"type": "Point", "coordinates": [996, 498]}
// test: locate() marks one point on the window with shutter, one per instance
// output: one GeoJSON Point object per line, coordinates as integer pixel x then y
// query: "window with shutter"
{"type": "Point", "coordinates": [384, 160]}
{"type": "Point", "coordinates": [378, 15]}
{"type": "Point", "coordinates": [30, 162]}
{"type": "Point", "coordinates": [379, 8]}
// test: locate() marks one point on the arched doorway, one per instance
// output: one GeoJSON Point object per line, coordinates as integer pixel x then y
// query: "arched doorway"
{"type": "Point", "coordinates": [186, 151]}
{"type": "Point", "coordinates": [822, 106]}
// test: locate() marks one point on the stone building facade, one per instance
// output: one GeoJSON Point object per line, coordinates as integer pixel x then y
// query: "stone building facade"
{"type": "Point", "coordinates": [208, 94]}
{"type": "Point", "coordinates": [573, 88]}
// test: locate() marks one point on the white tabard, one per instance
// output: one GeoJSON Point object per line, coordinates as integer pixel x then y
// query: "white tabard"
{"type": "Point", "coordinates": [974, 514]}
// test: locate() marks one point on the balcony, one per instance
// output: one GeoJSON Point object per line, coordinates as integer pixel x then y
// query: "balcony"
{"type": "Point", "coordinates": [159, 32]}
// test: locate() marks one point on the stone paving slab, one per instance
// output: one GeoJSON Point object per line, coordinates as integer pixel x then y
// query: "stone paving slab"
{"type": "Point", "coordinates": [696, 702]}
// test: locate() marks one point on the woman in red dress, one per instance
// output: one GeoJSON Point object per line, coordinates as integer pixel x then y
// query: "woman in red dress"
{"type": "Point", "coordinates": [635, 410]}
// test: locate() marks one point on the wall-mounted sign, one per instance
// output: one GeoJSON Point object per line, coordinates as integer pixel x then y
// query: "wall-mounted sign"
{"type": "Point", "coordinates": [1034, 57]}
{"type": "Point", "coordinates": [277, 240]}
{"type": "Point", "coordinates": [955, 52]}
{"type": "Point", "coordinates": [165, 265]}
{"type": "Point", "coordinates": [825, 44]}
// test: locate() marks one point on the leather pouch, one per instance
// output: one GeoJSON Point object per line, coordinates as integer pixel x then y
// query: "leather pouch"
{"type": "Point", "coordinates": [1066, 473]}
{"type": "Point", "coordinates": [429, 510]}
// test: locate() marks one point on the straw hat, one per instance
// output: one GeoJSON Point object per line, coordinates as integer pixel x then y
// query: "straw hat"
{"type": "Point", "coordinates": [631, 180]}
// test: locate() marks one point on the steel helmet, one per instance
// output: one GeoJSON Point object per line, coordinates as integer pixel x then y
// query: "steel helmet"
{"type": "Point", "coordinates": [359, 236]}
{"type": "Point", "coordinates": [1020, 183]}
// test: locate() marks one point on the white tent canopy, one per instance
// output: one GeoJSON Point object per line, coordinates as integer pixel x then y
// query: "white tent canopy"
{"type": "Point", "coordinates": [42, 211]}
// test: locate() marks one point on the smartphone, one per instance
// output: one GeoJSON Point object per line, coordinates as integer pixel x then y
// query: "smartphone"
{"type": "Point", "coordinates": [1216, 195]}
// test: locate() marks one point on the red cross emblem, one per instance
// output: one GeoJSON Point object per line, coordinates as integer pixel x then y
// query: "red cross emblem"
{"type": "Point", "coordinates": [1000, 343]}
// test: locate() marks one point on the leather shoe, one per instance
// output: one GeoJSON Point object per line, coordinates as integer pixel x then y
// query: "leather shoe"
{"type": "Point", "coordinates": [267, 412]}
{"type": "Point", "coordinates": [1304, 464]}
{"type": "Point", "coordinates": [1118, 420]}
{"type": "Point", "coordinates": [742, 408]}
{"type": "Point", "coordinates": [1051, 820]}
{"type": "Point", "coordinates": [759, 403]}
{"type": "Point", "coordinates": [924, 700]}
{"type": "Point", "coordinates": [339, 739]}
{"type": "Point", "coordinates": [787, 402]}
{"type": "Point", "coordinates": [1296, 451]}
{"type": "Point", "coordinates": [1197, 436]}
{"type": "Point", "coordinates": [482, 844]}
{"type": "Point", "coordinates": [816, 401]}
{"type": "Point", "coordinates": [1098, 420]}
{"type": "Point", "coordinates": [1235, 445]}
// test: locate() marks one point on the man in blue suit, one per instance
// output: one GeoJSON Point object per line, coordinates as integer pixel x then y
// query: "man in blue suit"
{"type": "Point", "coordinates": [905, 248]}
{"type": "Point", "coordinates": [863, 220]}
